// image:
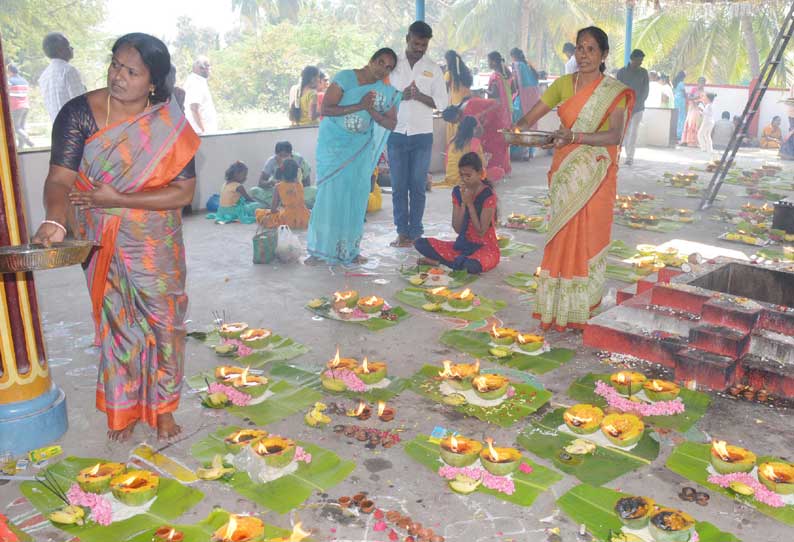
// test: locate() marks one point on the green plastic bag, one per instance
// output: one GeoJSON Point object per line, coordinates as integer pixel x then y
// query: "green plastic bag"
{"type": "Point", "coordinates": [264, 246]}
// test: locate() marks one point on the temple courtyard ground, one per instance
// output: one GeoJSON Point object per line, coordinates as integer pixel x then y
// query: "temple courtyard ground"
{"type": "Point", "coordinates": [222, 278]}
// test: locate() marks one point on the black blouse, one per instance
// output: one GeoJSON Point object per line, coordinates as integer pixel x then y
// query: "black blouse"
{"type": "Point", "coordinates": [74, 124]}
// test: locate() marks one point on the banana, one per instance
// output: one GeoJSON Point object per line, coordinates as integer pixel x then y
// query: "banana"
{"type": "Point", "coordinates": [68, 515]}
{"type": "Point", "coordinates": [315, 417]}
{"type": "Point", "coordinates": [215, 471]}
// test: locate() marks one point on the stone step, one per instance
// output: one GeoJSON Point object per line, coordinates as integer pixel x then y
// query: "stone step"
{"type": "Point", "coordinates": [726, 313]}
{"type": "Point", "coordinates": [772, 345]}
{"type": "Point", "coordinates": [678, 296]}
{"type": "Point", "coordinates": [724, 341]}
{"type": "Point", "coordinates": [760, 372]}
{"type": "Point", "coordinates": [639, 310]}
{"type": "Point", "coordinates": [706, 369]}
{"type": "Point", "coordinates": [779, 319]}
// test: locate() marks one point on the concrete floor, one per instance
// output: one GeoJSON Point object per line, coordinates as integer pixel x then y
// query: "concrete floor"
{"type": "Point", "coordinates": [221, 277]}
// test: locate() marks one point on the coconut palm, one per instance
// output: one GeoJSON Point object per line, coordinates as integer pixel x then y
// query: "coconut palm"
{"type": "Point", "coordinates": [254, 12]}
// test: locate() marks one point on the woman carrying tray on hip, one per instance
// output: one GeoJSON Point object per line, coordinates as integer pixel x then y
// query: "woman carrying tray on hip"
{"type": "Point", "coordinates": [594, 110]}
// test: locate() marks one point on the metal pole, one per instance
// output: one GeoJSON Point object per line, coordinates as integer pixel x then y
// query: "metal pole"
{"type": "Point", "coordinates": [629, 27]}
{"type": "Point", "coordinates": [420, 10]}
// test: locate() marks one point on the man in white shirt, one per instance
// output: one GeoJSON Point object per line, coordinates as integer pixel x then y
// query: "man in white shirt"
{"type": "Point", "coordinates": [568, 50]}
{"type": "Point", "coordinates": [60, 81]}
{"type": "Point", "coordinates": [199, 108]}
{"type": "Point", "coordinates": [411, 143]}
{"type": "Point", "coordinates": [654, 98]}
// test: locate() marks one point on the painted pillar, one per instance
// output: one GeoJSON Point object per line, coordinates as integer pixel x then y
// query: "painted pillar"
{"type": "Point", "coordinates": [629, 29]}
{"type": "Point", "coordinates": [420, 10]}
{"type": "Point", "coordinates": [32, 409]}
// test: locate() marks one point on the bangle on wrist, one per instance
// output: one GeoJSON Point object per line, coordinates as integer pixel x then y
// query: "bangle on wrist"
{"type": "Point", "coordinates": [57, 224]}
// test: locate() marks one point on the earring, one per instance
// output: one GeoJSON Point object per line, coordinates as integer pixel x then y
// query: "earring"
{"type": "Point", "coordinates": [151, 91]}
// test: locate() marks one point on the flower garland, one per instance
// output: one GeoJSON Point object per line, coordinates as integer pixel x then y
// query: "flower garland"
{"type": "Point", "coordinates": [302, 455]}
{"type": "Point", "coordinates": [501, 484]}
{"type": "Point", "coordinates": [762, 494]}
{"type": "Point", "coordinates": [235, 397]}
{"type": "Point", "coordinates": [353, 382]}
{"type": "Point", "coordinates": [660, 408]}
{"type": "Point", "coordinates": [242, 349]}
{"type": "Point", "coordinates": [101, 510]}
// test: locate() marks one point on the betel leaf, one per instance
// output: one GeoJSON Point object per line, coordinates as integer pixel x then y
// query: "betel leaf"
{"type": "Point", "coordinates": [526, 282]}
{"type": "Point", "coordinates": [594, 507]}
{"type": "Point", "coordinates": [203, 530]}
{"type": "Point", "coordinates": [373, 324]}
{"type": "Point", "coordinates": [278, 349]}
{"type": "Point", "coordinates": [477, 344]}
{"type": "Point", "coordinates": [459, 277]}
{"type": "Point", "coordinates": [517, 248]}
{"type": "Point", "coordinates": [527, 399]}
{"type": "Point", "coordinates": [291, 490]}
{"type": "Point", "coordinates": [606, 463]}
{"type": "Point", "coordinates": [696, 403]}
{"type": "Point", "coordinates": [308, 378]}
{"type": "Point", "coordinates": [691, 460]}
{"type": "Point", "coordinates": [173, 500]}
{"type": "Point", "coordinates": [528, 485]}
{"type": "Point", "coordinates": [415, 297]}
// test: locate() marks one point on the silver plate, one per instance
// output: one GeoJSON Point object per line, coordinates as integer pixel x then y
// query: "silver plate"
{"type": "Point", "coordinates": [37, 257]}
{"type": "Point", "coordinates": [535, 138]}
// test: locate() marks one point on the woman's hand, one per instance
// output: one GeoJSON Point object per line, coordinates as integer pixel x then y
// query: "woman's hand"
{"type": "Point", "coordinates": [367, 101]}
{"type": "Point", "coordinates": [562, 137]}
{"type": "Point", "coordinates": [47, 234]}
{"type": "Point", "coordinates": [102, 196]}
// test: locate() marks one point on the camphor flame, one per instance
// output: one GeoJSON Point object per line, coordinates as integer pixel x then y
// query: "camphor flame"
{"type": "Point", "coordinates": [298, 533]}
{"type": "Point", "coordinates": [362, 406]}
{"type": "Point", "coordinates": [261, 449]}
{"type": "Point", "coordinates": [237, 437]}
{"type": "Point", "coordinates": [94, 470]}
{"type": "Point", "coordinates": [244, 376]}
{"type": "Point", "coordinates": [770, 474]}
{"type": "Point", "coordinates": [171, 534]}
{"type": "Point", "coordinates": [342, 296]}
{"type": "Point", "coordinates": [370, 301]}
{"type": "Point", "coordinates": [438, 290]}
{"type": "Point", "coordinates": [231, 528]}
{"type": "Point", "coordinates": [381, 408]}
{"type": "Point", "coordinates": [364, 366]}
{"type": "Point", "coordinates": [481, 382]}
{"type": "Point", "coordinates": [447, 372]}
{"type": "Point", "coordinates": [495, 332]}
{"type": "Point", "coordinates": [622, 378]}
{"type": "Point", "coordinates": [576, 421]}
{"type": "Point", "coordinates": [129, 480]}
{"type": "Point", "coordinates": [453, 443]}
{"type": "Point", "coordinates": [612, 430]}
{"type": "Point", "coordinates": [335, 362]}
{"type": "Point", "coordinates": [491, 451]}
{"type": "Point", "coordinates": [721, 447]}
{"type": "Point", "coordinates": [465, 293]}
{"type": "Point", "coordinates": [656, 386]}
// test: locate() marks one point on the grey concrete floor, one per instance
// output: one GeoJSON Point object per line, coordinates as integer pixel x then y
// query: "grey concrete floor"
{"type": "Point", "coordinates": [221, 277]}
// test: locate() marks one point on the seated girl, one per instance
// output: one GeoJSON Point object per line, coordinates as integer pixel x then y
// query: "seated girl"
{"type": "Point", "coordinates": [473, 217]}
{"type": "Point", "coordinates": [235, 203]}
{"type": "Point", "coordinates": [467, 139]}
{"type": "Point", "coordinates": [288, 207]}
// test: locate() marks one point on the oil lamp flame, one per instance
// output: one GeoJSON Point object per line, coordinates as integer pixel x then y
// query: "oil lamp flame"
{"type": "Point", "coordinates": [770, 474]}
{"type": "Point", "coordinates": [361, 407]}
{"type": "Point", "coordinates": [171, 534]}
{"type": "Point", "coordinates": [577, 421]}
{"type": "Point", "coordinates": [476, 366]}
{"type": "Point", "coordinates": [231, 528]}
{"type": "Point", "coordinates": [364, 366]}
{"type": "Point", "coordinates": [622, 379]}
{"type": "Point", "coordinates": [491, 451]}
{"type": "Point", "coordinates": [298, 533]}
{"type": "Point", "coordinates": [237, 437]}
{"type": "Point", "coordinates": [244, 377]}
{"type": "Point", "coordinates": [370, 301]}
{"type": "Point", "coordinates": [335, 362]}
{"type": "Point", "coordinates": [95, 470]}
{"type": "Point", "coordinates": [381, 408]}
{"type": "Point", "coordinates": [129, 480]}
{"type": "Point", "coordinates": [453, 443]}
{"type": "Point", "coordinates": [495, 332]}
{"type": "Point", "coordinates": [612, 430]}
{"type": "Point", "coordinates": [481, 383]}
{"type": "Point", "coordinates": [656, 386]}
{"type": "Point", "coordinates": [465, 293]}
{"type": "Point", "coordinates": [721, 447]}
{"type": "Point", "coordinates": [447, 372]}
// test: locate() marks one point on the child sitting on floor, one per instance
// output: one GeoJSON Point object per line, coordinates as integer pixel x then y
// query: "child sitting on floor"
{"type": "Point", "coordinates": [235, 203]}
{"type": "Point", "coordinates": [473, 217]}
{"type": "Point", "coordinates": [467, 139]}
{"type": "Point", "coordinates": [289, 208]}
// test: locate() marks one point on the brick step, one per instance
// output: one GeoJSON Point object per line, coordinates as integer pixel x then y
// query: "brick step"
{"type": "Point", "coordinates": [777, 318]}
{"type": "Point", "coordinates": [720, 340]}
{"type": "Point", "coordinates": [666, 274]}
{"type": "Point", "coordinates": [759, 372]}
{"type": "Point", "coordinates": [726, 313]}
{"type": "Point", "coordinates": [624, 294]}
{"type": "Point", "coordinates": [705, 368]}
{"type": "Point", "coordinates": [772, 345]}
{"type": "Point", "coordinates": [680, 297]}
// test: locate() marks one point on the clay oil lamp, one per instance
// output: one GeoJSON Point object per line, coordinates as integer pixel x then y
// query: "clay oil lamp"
{"type": "Point", "coordinates": [622, 430]}
{"type": "Point", "coordinates": [167, 533]}
{"type": "Point", "coordinates": [627, 382]}
{"type": "Point", "coordinates": [530, 343]}
{"type": "Point", "coordinates": [634, 512]}
{"type": "Point", "coordinates": [247, 382]}
{"type": "Point", "coordinates": [503, 336]}
{"type": "Point", "coordinates": [499, 461]}
{"type": "Point", "coordinates": [362, 411]}
{"type": "Point", "coordinates": [438, 294]}
{"type": "Point", "coordinates": [660, 390]}
{"type": "Point", "coordinates": [459, 376]}
{"type": "Point", "coordinates": [461, 300]}
{"type": "Point", "coordinates": [96, 479]}
{"type": "Point", "coordinates": [240, 529]}
{"type": "Point", "coordinates": [256, 337]}
{"type": "Point", "coordinates": [276, 451]}
{"type": "Point", "coordinates": [385, 413]}
{"type": "Point", "coordinates": [583, 419]}
{"type": "Point", "coordinates": [668, 525]}
{"type": "Point", "coordinates": [238, 440]}
{"type": "Point", "coordinates": [334, 381]}
{"type": "Point", "coordinates": [459, 451]}
{"type": "Point", "coordinates": [371, 372]}
{"type": "Point", "coordinates": [347, 299]}
{"type": "Point", "coordinates": [777, 476]}
{"type": "Point", "coordinates": [297, 535]}
{"type": "Point", "coordinates": [232, 330]}
{"type": "Point", "coordinates": [490, 386]}
{"type": "Point", "coordinates": [371, 304]}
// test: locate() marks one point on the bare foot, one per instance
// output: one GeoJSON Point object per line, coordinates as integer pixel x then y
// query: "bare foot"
{"type": "Point", "coordinates": [421, 260]}
{"type": "Point", "coordinates": [122, 435]}
{"type": "Point", "coordinates": [312, 260]}
{"type": "Point", "coordinates": [402, 242]}
{"type": "Point", "coordinates": [167, 427]}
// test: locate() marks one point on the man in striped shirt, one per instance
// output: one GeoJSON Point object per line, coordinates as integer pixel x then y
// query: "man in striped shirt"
{"type": "Point", "coordinates": [18, 100]}
{"type": "Point", "coordinates": [60, 81]}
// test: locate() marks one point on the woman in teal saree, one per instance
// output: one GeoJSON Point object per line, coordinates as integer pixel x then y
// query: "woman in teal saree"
{"type": "Point", "coordinates": [359, 112]}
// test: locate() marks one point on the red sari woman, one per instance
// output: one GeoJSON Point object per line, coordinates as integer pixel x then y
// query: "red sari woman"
{"type": "Point", "coordinates": [123, 157]}
{"type": "Point", "coordinates": [488, 115]}
{"type": "Point", "coordinates": [694, 116]}
{"type": "Point", "coordinates": [594, 111]}
{"type": "Point", "coordinates": [499, 90]}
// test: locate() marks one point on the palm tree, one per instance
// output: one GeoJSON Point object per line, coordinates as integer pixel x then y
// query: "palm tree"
{"type": "Point", "coordinates": [254, 12]}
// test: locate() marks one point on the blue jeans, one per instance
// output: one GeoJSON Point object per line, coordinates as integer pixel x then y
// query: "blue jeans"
{"type": "Point", "coordinates": [409, 161]}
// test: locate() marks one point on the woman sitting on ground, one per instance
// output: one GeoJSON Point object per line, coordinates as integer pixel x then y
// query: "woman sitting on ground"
{"type": "Point", "coordinates": [235, 204]}
{"type": "Point", "coordinates": [473, 218]}
{"type": "Point", "coordinates": [772, 136]}
{"type": "Point", "coordinates": [288, 208]}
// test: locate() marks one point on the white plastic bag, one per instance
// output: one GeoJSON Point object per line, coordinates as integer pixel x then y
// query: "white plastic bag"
{"type": "Point", "coordinates": [288, 246]}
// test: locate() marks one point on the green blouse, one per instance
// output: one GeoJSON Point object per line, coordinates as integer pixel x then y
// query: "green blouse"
{"type": "Point", "coordinates": [562, 89]}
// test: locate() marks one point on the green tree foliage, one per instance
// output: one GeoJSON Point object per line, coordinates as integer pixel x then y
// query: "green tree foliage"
{"type": "Point", "coordinates": [190, 42]}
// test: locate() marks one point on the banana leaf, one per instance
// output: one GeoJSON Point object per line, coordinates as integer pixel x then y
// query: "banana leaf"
{"type": "Point", "coordinates": [279, 349]}
{"type": "Point", "coordinates": [528, 398]}
{"type": "Point", "coordinates": [173, 500]}
{"type": "Point", "coordinates": [203, 530]}
{"type": "Point", "coordinates": [517, 248]}
{"type": "Point", "coordinates": [523, 281]}
{"type": "Point", "coordinates": [528, 485]}
{"type": "Point", "coordinates": [691, 460]}
{"type": "Point", "coordinates": [415, 297]}
{"type": "Point", "coordinates": [477, 344]}
{"type": "Point", "coordinates": [459, 278]}
{"type": "Point", "coordinates": [282, 495]}
{"type": "Point", "coordinates": [373, 324]}
{"type": "Point", "coordinates": [622, 272]}
{"type": "Point", "coordinates": [664, 226]}
{"type": "Point", "coordinates": [621, 250]}
{"type": "Point", "coordinates": [594, 507]}
{"type": "Point", "coordinates": [603, 465]}
{"type": "Point", "coordinates": [304, 378]}
{"type": "Point", "coordinates": [697, 403]}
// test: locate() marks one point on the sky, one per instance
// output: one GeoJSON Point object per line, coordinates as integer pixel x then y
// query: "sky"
{"type": "Point", "coordinates": [158, 17]}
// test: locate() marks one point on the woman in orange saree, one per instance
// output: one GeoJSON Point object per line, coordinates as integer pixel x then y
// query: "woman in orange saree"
{"type": "Point", "coordinates": [123, 157]}
{"type": "Point", "coordinates": [594, 110]}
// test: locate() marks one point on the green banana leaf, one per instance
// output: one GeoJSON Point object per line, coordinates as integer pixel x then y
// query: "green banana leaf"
{"type": "Point", "coordinates": [697, 403]}
{"type": "Point", "coordinates": [459, 278]}
{"type": "Point", "coordinates": [603, 465]}
{"type": "Point", "coordinates": [523, 281]}
{"type": "Point", "coordinates": [517, 248]}
{"type": "Point", "coordinates": [173, 500]}
{"type": "Point", "coordinates": [279, 349]}
{"type": "Point", "coordinates": [373, 324]}
{"type": "Point", "coordinates": [282, 495]}
{"type": "Point", "coordinates": [477, 344]}
{"type": "Point", "coordinates": [304, 378]}
{"type": "Point", "coordinates": [691, 460]}
{"type": "Point", "coordinates": [594, 507]}
{"type": "Point", "coordinates": [203, 530]}
{"type": "Point", "coordinates": [621, 250]}
{"type": "Point", "coordinates": [622, 272]}
{"type": "Point", "coordinates": [527, 399]}
{"type": "Point", "coordinates": [528, 485]}
{"type": "Point", "coordinates": [415, 297]}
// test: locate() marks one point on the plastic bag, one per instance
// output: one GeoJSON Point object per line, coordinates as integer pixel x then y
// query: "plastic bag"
{"type": "Point", "coordinates": [213, 202]}
{"type": "Point", "coordinates": [288, 246]}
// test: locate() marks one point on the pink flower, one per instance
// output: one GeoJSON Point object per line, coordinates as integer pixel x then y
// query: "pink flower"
{"type": "Point", "coordinates": [525, 468]}
{"type": "Point", "coordinates": [511, 391]}
{"type": "Point", "coordinates": [101, 510]}
{"type": "Point", "coordinates": [659, 408]}
{"type": "Point", "coordinates": [476, 302]}
{"type": "Point", "coordinates": [762, 494]}
{"type": "Point", "coordinates": [502, 484]}
{"type": "Point", "coordinates": [236, 397]}
{"type": "Point", "coordinates": [302, 455]}
{"type": "Point", "coordinates": [393, 536]}
{"type": "Point", "coordinates": [379, 526]}
{"type": "Point", "coordinates": [353, 382]}
{"type": "Point", "coordinates": [242, 350]}
{"type": "Point", "coordinates": [358, 313]}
